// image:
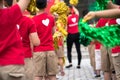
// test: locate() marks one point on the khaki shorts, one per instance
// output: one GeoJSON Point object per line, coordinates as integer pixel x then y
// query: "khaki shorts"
{"type": "Point", "coordinates": [60, 52]}
{"type": "Point", "coordinates": [46, 63]}
{"type": "Point", "coordinates": [29, 69]}
{"type": "Point", "coordinates": [116, 62]}
{"type": "Point", "coordinates": [106, 59]}
{"type": "Point", "coordinates": [12, 72]}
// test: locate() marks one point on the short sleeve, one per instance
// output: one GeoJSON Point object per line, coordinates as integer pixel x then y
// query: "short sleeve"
{"type": "Point", "coordinates": [32, 26]}
{"type": "Point", "coordinates": [27, 24]}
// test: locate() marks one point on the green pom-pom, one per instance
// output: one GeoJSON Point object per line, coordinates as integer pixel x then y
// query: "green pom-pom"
{"type": "Point", "coordinates": [108, 35]}
{"type": "Point", "coordinates": [84, 40]}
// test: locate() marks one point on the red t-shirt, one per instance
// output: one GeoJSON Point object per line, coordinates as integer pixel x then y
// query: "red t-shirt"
{"type": "Point", "coordinates": [102, 22]}
{"type": "Point", "coordinates": [44, 23]}
{"type": "Point", "coordinates": [117, 48]}
{"type": "Point", "coordinates": [27, 26]}
{"type": "Point", "coordinates": [72, 26]}
{"type": "Point", "coordinates": [10, 43]}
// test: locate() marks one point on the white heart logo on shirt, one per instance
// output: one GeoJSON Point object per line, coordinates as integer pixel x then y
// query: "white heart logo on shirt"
{"type": "Point", "coordinates": [118, 21]}
{"type": "Point", "coordinates": [45, 22]}
{"type": "Point", "coordinates": [74, 20]}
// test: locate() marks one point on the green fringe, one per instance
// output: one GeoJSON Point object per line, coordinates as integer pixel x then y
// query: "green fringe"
{"type": "Point", "coordinates": [108, 35]}
{"type": "Point", "coordinates": [99, 5]}
{"type": "Point", "coordinates": [84, 40]}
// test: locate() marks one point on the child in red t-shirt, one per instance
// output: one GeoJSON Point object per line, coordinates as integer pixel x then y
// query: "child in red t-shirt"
{"type": "Point", "coordinates": [28, 32]}
{"type": "Point", "coordinates": [73, 36]}
{"type": "Point", "coordinates": [46, 62]}
{"type": "Point", "coordinates": [11, 53]}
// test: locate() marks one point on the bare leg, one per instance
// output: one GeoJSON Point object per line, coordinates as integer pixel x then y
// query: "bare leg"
{"type": "Point", "coordinates": [61, 63]}
{"type": "Point", "coordinates": [52, 77]}
{"type": "Point", "coordinates": [107, 76]}
{"type": "Point", "coordinates": [114, 77]}
{"type": "Point", "coordinates": [97, 73]}
{"type": "Point", "coordinates": [38, 78]}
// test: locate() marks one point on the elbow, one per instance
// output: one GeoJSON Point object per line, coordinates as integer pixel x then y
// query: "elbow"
{"type": "Point", "coordinates": [36, 43]}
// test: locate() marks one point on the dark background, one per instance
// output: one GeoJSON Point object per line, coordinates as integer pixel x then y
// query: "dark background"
{"type": "Point", "coordinates": [83, 6]}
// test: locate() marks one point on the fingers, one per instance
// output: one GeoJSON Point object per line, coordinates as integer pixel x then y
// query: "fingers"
{"type": "Point", "coordinates": [86, 18]}
{"type": "Point", "coordinates": [89, 16]}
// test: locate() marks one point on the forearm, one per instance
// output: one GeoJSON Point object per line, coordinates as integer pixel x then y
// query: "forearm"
{"type": "Point", "coordinates": [76, 11]}
{"type": "Point", "coordinates": [112, 13]}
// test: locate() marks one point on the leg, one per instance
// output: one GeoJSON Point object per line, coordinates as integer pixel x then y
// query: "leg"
{"type": "Point", "coordinates": [91, 49]}
{"type": "Point", "coordinates": [61, 63]}
{"type": "Point", "coordinates": [77, 45]}
{"type": "Point", "coordinates": [60, 55]}
{"type": "Point", "coordinates": [39, 59]}
{"type": "Point", "coordinates": [69, 48]}
{"type": "Point", "coordinates": [38, 78]}
{"type": "Point", "coordinates": [112, 68]}
{"type": "Point", "coordinates": [114, 75]}
{"type": "Point", "coordinates": [52, 65]}
{"type": "Point", "coordinates": [105, 60]}
{"type": "Point", "coordinates": [52, 77]}
{"type": "Point", "coordinates": [107, 75]}
{"type": "Point", "coordinates": [116, 62]}
{"type": "Point", "coordinates": [29, 69]}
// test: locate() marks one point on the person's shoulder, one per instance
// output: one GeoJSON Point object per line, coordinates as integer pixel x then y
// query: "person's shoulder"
{"type": "Point", "coordinates": [70, 15]}
{"type": "Point", "coordinates": [27, 20]}
{"type": "Point", "coordinates": [16, 6]}
{"type": "Point", "coordinates": [50, 15]}
{"type": "Point", "coordinates": [9, 8]}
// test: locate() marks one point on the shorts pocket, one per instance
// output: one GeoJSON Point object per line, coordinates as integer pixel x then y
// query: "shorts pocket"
{"type": "Point", "coordinates": [17, 75]}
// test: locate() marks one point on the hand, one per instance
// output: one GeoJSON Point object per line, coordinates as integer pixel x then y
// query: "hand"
{"type": "Point", "coordinates": [89, 16]}
{"type": "Point", "coordinates": [55, 15]}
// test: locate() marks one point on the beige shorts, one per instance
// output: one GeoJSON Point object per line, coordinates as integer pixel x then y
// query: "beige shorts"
{"type": "Point", "coordinates": [60, 52]}
{"type": "Point", "coordinates": [116, 62]}
{"type": "Point", "coordinates": [29, 69]}
{"type": "Point", "coordinates": [12, 72]}
{"type": "Point", "coordinates": [106, 59]}
{"type": "Point", "coordinates": [46, 63]}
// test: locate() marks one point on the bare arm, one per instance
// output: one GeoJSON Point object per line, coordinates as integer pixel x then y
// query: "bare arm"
{"type": "Point", "coordinates": [23, 4]}
{"type": "Point", "coordinates": [111, 13]}
{"type": "Point", "coordinates": [35, 41]}
{"type": "Point", "coordinates": [76, 11]}
{"type": "Point", "coordinates": [53, 30]}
